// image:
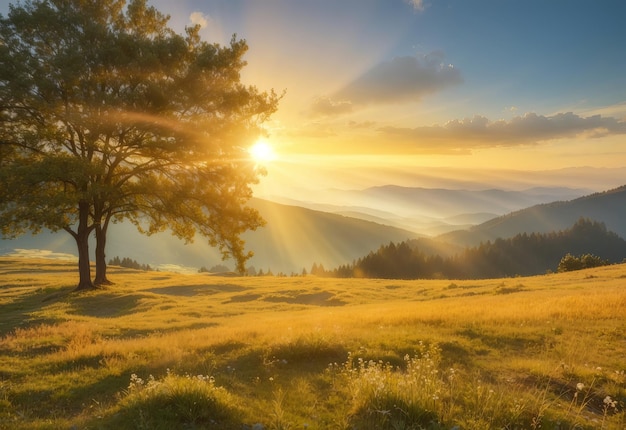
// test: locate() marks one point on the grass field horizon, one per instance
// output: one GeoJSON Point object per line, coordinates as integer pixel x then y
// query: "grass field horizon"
{"type": "Point", "coordinates": [167, 350]}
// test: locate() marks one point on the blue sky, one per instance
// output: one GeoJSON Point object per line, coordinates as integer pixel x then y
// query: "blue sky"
{"type": "Point", "coordinates": [395, 67]}
{"type": "Point", "coordinates": [486, 84]}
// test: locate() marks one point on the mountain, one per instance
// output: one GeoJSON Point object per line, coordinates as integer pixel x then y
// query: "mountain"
{"type": "Point", "coordinates": [294, 238]}
{"type": "Point", "coordinates": [429, 211]}
{"type": "Point", "coordinates": [608, 207]}
{"type": "Point", "coordinates": [524, 254]}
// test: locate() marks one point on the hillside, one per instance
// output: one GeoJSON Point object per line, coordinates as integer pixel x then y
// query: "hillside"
{"type": "Point", "coordinates": [523, 254]}
{"type": "Point", "coordinates": [608, 207]}
{"type": "Point", "coordinates": [429, 211]}
{"type": "Point", "coordinates": [171, 351]}
{"type": "Point", "coordinates": [294, 238]}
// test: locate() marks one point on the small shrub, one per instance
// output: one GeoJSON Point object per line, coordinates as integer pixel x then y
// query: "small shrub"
{"type": "Point", "coordinates": [175, 402]}
{"type": "Point", "coordinates": [570, 263]}
{"type": "Point", "coordinates": [384, 396]}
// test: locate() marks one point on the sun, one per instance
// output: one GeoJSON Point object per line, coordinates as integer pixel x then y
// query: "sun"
{"type": "Point", "coordinates": [262, 151]}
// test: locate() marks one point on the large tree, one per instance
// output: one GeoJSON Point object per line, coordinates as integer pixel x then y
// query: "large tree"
{"type": "Point", "coordinates": [107, 114]}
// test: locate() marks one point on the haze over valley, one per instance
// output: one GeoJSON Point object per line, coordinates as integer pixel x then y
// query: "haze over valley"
{"type": "Point", "coordinates": [302, 233]}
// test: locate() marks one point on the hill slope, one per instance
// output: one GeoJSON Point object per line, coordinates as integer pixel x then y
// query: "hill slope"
{"type": "Point", "coordinates": [172, 351]}
{"type": "Point", "coordinates": [608, 207]}
{"type": "Point", "coordinates": [429, 211]}
{"type": "Point", "coordinates": [293, 239]}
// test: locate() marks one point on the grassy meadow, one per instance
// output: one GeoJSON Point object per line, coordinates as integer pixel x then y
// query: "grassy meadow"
{"type": "Point", "coordinates": [169, 351]}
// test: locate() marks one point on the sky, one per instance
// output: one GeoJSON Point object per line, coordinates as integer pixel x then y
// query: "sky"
{"type": "Point", "coordinates": [400, 91]}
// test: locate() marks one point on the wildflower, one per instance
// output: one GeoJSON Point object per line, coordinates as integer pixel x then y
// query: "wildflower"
{"type": "Point", "coordinates": [135, 381]}
{"type": "Point", "coordinates": [609, 402]}
{"type": "Point", "coordinates": [580, 386]}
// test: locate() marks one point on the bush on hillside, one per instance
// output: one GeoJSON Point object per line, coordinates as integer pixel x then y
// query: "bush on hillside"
{"type": "Point", "coordinates": [570, 263]}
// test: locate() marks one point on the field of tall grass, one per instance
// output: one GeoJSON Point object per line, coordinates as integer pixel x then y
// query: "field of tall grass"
{"type": "Point", "coordinates": [169, 351]}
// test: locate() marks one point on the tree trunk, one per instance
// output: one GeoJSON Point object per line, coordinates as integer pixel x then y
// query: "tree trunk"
{"type": "Point", "coordinates": [101, 265]}
{"type": "Point", "coordinates": [82, 241]}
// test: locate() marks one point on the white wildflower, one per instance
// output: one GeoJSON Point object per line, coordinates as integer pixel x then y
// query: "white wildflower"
{"type": "Point", "coordinates": [580, 386]}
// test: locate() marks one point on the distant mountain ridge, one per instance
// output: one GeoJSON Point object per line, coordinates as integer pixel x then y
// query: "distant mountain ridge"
{"type": "Point", "coordinates": [524, 254]}
{"type": "Point", "coordinates": [608, 207]}
{"type": "Point", "coordinates": [429, 211]}
{"type": "Point", "coordinates": [296, 237]}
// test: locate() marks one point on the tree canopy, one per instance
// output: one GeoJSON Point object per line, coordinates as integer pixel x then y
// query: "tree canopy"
{"type": "Point", "coordinates": [108, 114]}
{"type": "Point", "coordinates": [523, 254]}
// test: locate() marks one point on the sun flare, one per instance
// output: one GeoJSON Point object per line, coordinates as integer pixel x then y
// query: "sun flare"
{"type": "Point", "coordinates": [262, 151]}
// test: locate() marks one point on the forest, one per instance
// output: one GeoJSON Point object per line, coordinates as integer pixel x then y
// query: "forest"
{"type": "Point", "coordinates": [522, 255]}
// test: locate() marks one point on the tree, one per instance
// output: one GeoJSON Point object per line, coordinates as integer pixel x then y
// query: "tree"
{"type": "Point", "coordinates": [107, 114]}
{"type": "Point", "coordinates": [569, 263]}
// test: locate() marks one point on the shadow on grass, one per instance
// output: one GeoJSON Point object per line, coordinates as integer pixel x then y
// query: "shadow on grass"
{"type": "Point", "coordinates": [69, 401]}
{"type": "Point", "coordinates": [18, 312]}
{"type": "Point", "coordinates": [516, 342]}
{"type": "Point", "coordinates": [323, 298]}
{"type": "Point", "coordinates": [243, 298]}
{"type": "Point", "coordinates": [106, 305]}
{"type": "Point", "coordinates": [193, 290]}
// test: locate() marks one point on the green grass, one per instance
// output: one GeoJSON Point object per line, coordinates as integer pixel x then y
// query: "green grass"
{"type": "Point", "coordinates": [291, 353]}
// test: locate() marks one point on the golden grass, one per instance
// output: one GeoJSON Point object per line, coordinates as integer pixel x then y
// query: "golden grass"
{"type": "Point", "coordinates": [66, 358]}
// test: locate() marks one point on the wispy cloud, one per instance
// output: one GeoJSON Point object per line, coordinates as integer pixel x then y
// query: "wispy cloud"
{"type": "Point", "coordinates": [326, 106]}
{"type": "Point", "coordinates": [480, 132]}
{"type": "Point", "coordinates": [40, 253]}
{"type": "Point", "coordinates": [401, 80]}
{"type": "Point", "coordinates": [418, 5]}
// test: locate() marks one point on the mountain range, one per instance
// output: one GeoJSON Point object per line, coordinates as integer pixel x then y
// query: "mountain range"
{"type": "Point", "coordinates": [295, 237]}
{"type": "Point", "coordinates": [429, 211]}
{"type": "Point", "coordinates": [608, 207]}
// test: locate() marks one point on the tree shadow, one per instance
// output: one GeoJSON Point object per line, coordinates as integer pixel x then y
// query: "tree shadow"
{"type": "Point", "coordinates": [106, 305]}
{"type": "Point", "coordinates": [18, 312]}
{"type": "Point", "coordinates": [193, 290]}
{"type": "Point", "coordinates": [323, 298]}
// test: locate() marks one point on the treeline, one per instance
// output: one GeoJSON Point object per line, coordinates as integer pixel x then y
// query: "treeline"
{"type": "Point", "coordinates": [129, 263]}
{"type": "Point", "coordinates": [523, 255]}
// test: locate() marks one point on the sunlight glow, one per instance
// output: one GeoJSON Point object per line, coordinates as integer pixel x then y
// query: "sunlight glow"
{"type": "Point", "coordinates": [262, 151]}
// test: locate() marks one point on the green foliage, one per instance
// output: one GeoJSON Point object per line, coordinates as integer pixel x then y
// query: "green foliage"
{"type": "Point", "coordinates": [570, 263]}
{"type": "Point", "coordinates": [521, 255]}
{"type": "Point", "coordinates": [175, 402]}
{"type": "Point", "coordinates": [422, 394]}
{"type": "Point", "coordinates": [108, 114]}
{"type": "Point", "coordinates": [129, 263]}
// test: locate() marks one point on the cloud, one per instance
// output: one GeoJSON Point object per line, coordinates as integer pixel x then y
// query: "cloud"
{"type": "Point", "coordinates": [480, 132]}
{"type": "Point", "coordinates": [403, 79]}
{"type": "Point", "coordinates": [314, 129]}
{"type": "Point", "coordinates": [418, 5]}
{"type": "Point", "coordinates": [40, 253]}
{"type": "Point", "coordinates": [210, 28]}
{"type": "Point", "coordinates": [198, 18]}
{"type": "Point", "coordinates": [326, 106]}
{"type": "Point", "coordinates": [363, 124]}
